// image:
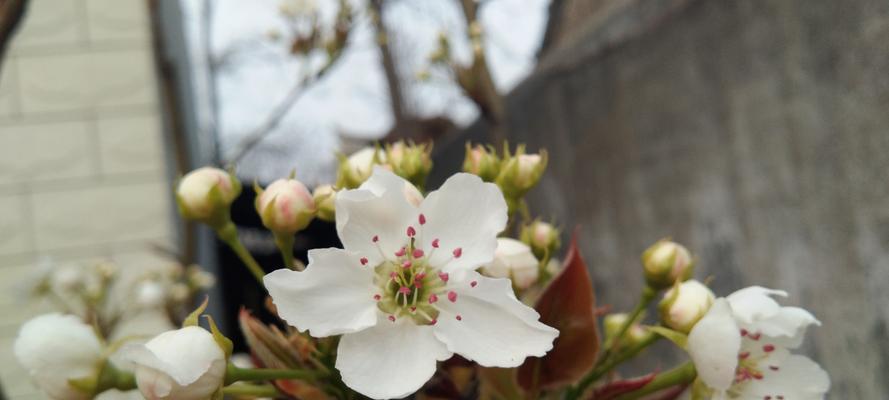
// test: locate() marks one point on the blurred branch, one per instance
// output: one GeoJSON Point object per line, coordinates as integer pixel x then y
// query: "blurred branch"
{"type": "Point", "coordinates": [12, 13]}
{"type": "Point", "coordinates": [476, 80]}
{"type": "Point", "coordinates": [396, 95]}
{"type": "Point", "coordinates": [212, 93]}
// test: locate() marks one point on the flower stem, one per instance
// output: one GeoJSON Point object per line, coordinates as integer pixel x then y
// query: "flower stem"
{"type": "Point", "coordinates": [680, 375]}
{"type": "Point", "coordinates": [235, 374]}
{"type": "Point", "coordinates": [229, 234]}
{"type": "Point", "coordinates": [284, 242]}
{"type": "Point", "coordinates": [113, 378]}
{"type": "Point", "coordinates": [251, 390]}
{"type": "Point", "coordinates": [647, 296]}
{"type": "Point", "coordinates": [609, 364]}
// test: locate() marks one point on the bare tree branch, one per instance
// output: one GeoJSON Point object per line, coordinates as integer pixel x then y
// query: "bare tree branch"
{"type": "Point", "coordinates": [396, 94]}
{"type": "Point", "coordinates": [477, 80]}
{"type": "Point", "coordinates": [12, 13]}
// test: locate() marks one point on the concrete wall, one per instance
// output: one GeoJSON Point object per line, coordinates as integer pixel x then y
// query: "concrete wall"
{"type": "Point", "coordinates": [757, 132]}
{"type": "Point", "coordinates": [81, 165]}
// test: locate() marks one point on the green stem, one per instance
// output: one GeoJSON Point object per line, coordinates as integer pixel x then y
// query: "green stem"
{"type": "Point", "coordinates": [680, 375]}
{"type": "Point", "coordinates": [229, 234]}
{"type": "Point", "coordinates": [251, 390]}
{"type": "Point", "coordinates": [235, 374]}
{"type": "Point", "coordinates": [112, 378]}
{"type": "Point", "coordinates": [647, 296]}
{"type": "Point", "coordinates": [284, 241]}
{"type": "Point", "coordinates": [608, 365]}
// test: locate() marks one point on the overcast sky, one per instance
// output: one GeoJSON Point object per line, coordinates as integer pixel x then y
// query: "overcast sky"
{"type": "Point", "coordinates": [352, 100]}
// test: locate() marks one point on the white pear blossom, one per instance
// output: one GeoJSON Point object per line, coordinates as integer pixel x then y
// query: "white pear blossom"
{"type": "Point", "coordinates": [514, 259]}
{"type": "Point", "coordinates": [741, 349]}
{"type": "Point", "coordinates": [55, 348]}
{"type": "Point", "coordinates": [184, 364]}
{"type": "Point", "coordinates": [404, 292]}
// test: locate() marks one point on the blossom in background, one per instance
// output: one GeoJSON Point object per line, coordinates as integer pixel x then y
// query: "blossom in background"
{"type": "Point", "coordinates": [184, 364]}
{"type": "Point", "coordinates": [741, 349]}
{"type": "Point", "coordinates": [404, 292]}
{"type": "Point", "coordinates": [513, 259]}
{"type": "Point", "coordinates": [56, 348]}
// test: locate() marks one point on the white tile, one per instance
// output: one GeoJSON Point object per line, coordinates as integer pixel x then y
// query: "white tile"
{"type": "Point", "coordinates": [51, 23]}
{"type": "Point", "coordinates": [101, 215]}
{"type": "Point", "coordinates": [85, 81]}
{"type": "Point", "coordinates": [15, 225]}
{"type": "Point", "coordinates": [115, 20]}
{"type": "Point", "coordinates": [131, 144]}
{"type": "Point", "coordinates": [9, 92]}
{"type": "Point", "coordinates": [46, 151]}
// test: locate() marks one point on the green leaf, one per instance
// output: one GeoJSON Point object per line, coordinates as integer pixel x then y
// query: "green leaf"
{"type": "Point", "coordinates": [568, 304]}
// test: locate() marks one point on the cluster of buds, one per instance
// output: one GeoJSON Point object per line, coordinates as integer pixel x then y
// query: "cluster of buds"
{"type": "Point", "coordinates": [514, 173]}
{"type": "Point", "coordinates": [666, 263]}
{"type": "Point", "coordinates": [482, 161]}
{"type": "Point", "coordinates": [543, 238]}
{"type": "Point", "coordinates": [410, 161]}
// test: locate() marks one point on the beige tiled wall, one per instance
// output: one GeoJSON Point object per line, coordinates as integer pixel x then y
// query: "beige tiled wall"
{"type": "Point", "coordinates": [81, 163]}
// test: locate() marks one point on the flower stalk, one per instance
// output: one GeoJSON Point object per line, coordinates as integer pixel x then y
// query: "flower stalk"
{"type": "Point", "coordinates": [609, 364]}
{"type": "Point", "coordinates": [228, 233]}
{"type": "Point", "coordinates": [234, 374]}
{"type": "Point", "coordinates": [647, 296]}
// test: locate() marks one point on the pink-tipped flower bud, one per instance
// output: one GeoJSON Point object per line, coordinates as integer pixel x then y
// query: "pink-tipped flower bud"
{"type": "Point", "coordinates": [324, 197]}
{"type": "Point", "coordinates": [542, 237]}
{"type": "Point", "coordinates": [206, 194]}
{"type": "Point", "coordinates": [286, 206]}
{"type": "Point", "coordinates": [665, 263]}
{"type": "Point", "coordinates": [685, 304]}
{"type": "Point", "coordinates": [482, 162]}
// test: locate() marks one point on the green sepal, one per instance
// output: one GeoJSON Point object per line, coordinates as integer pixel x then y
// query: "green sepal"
{"type": "Point", "coordinates": [192, 319]}
{"type": "Point", "coordinates": [699, 390]}
{"type": "Point", "coordinates": [224, 343]}
{"type": "Point", "coordinates": [678, 338]}
{"type": "Point", "coordinates": [86, 385]}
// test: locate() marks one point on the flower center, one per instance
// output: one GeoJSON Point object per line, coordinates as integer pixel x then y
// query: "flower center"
{"type": "Point", "coordinates": [749, 363]}
{"type": "Point", "coordinates": [409, 285]}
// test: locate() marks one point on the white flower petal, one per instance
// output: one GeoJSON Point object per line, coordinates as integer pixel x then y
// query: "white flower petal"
{"type": "Point", "coordinates": [496, 329]}
{"type": "Point", "coordinates": [754, 303]}
{"type": "Point", "coordinates": [333, 296]}
{"type": "Point", "coordinates": [389, 360]}
{"type": "Point", "coordinates": [376, 209]}
{"type": "Point", "coordinates": [713, 345]}
{"type": "Point", "coordinates": [786, 328]}
{"type": "Point", "coordinates": [384, 180]}
{"type": "Point", "coordinates": [184, 354]}
{"type": "Point", "coordinates": [464, 213]}
{"type": "Point", "coordinates": [513, 259]}
{"type": "Point", "coordinates": [796, 378]}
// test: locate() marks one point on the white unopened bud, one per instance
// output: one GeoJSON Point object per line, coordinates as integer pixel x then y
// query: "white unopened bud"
{"type": "Point", "coordinates": [56, 349]}
{"type": "Point", "coordinates": [666, 262]}
{"type": "Point", "coordinates": [286, 206]}
{"type": "Point", "coordinates": [634, 334]}
{"type": "Point", "coordinates": [67, 279]}
{"type": "Point", "coordinates": [185, 364]}
{"type": "Point", "coordinates": [355, 169]}
{"type": "Point", "coordinates": [513, 259]}
{"type": "Point", "coordinates": [542, 237]}
{"type": "Point", "coordinates": [204, 193]}
{"type": "Point", "coordinates": [151, 294]}
{"type": "Point", "coordinates": [685, 304]}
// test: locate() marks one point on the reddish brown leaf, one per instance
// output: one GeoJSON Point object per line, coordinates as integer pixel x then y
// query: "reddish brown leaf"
{"type": "Point", "coordinates": [568, 304]}
{"type": "Point", "coordinates": [619, 387]}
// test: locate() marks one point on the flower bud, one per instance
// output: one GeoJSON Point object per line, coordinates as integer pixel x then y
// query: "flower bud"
{"type": "Point", "coordinates": [666, 262]}
{"type": "Point", "coordinates": [184, 364]}
{"type": "Point", "coordinates": [57, 349]}
{"type": "Point", "coordinates": [542, 237]}
{"type": "Point", "coordinates": [513, 259]}
{"type": "Point", "coordinates": [410, 161]}
{"type": "Point", "coordinates": [285, 206]}
{"type": "Point", "coordinates": [685, 304]}
{"type": "Point", "coordinates": [482, 162]}
{"type": "Point", "coordinates": [206, 194]}
{"type": "Point", "coordinates": [355, 169]}
{"type": "Point", "coordinates": [634, 334]}
{"type": "Point", "coordinates": [520, 172]}
{"type": "Point", "coordinates": [325, 197]}
{"type": "Point", "coordinates": [151, 294]}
